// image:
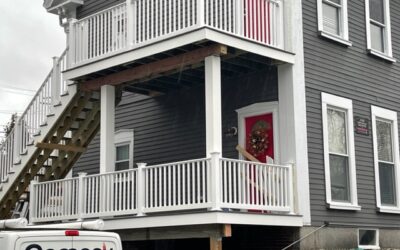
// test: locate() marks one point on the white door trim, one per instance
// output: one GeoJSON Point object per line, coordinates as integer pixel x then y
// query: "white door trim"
{"type": "Point", "coordinates": [259, 109]}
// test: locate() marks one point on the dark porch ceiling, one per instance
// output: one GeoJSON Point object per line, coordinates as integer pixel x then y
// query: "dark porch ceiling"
{"type": "Point", "coordinates": [234, 64]}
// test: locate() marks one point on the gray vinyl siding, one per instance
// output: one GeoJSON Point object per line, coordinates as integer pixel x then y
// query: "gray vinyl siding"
{"type": "Point", "coordinates": [171, 127]}
{"type": "Point", "coordinates": [353, 74]}
{"type": "Point", "coordinates": [93, 6]}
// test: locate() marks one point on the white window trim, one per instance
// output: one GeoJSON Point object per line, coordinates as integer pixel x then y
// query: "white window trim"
{"type": "Point", "coordinates": [377, 112]}
{"type": "Point", "coordinates": [388, 55]}
{"type": "Point", "coordinates": [376, 246]}
{"type": "Point", "coordinates": [259, 109]}
{"type": "Point", "coordinates": [345, 104]}
{"type": "Point", "coordinates": [124, 137]}
{"type": "Point", "coordinates": [344, 25]}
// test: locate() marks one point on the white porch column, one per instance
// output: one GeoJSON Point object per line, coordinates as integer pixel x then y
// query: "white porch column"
{"type": "Point", "coordinates": [292, 110]}
{"type": "Point", "coordinates": [213, 105]}
{"type": "Point", "coordinates": [107, 128]}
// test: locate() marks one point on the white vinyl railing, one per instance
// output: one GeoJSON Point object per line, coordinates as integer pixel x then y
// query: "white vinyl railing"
{"type": "Point", "coordinates": [250, 185]}
{"type": "Point", "coordinates": [35, 115]}
{"type": "Point", "coordinates": [99, 34]}
{"type": "Point", "coordinates": [137, 22]}
{"type": "Point", "coordinates": [213, 183]}
{"type": "Point", "coordinates": [177, 186]}
{"type": "Point", "coordinates": [56, 200]}
{"type": "Point", "coordinates": [108, 194]}
{"type": "Point", "coordinates": [7, 156]}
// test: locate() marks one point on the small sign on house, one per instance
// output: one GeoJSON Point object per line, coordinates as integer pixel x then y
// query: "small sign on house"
{"type": "Point", "coordinates": [361, 125]}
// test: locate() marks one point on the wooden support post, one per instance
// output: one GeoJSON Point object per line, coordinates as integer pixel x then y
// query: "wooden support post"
{"type": "Point", "coordinates": [226, 230]}
{"type": "Point", "coordinates": [107, 127]}
{"type": "Point", "coordinates": [154, 69]}
{"type": "Point", "coordinates": [215, 243]}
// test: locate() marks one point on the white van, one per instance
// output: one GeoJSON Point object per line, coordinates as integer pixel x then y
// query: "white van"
{"type": "Point", "coordinates": [59, 240]}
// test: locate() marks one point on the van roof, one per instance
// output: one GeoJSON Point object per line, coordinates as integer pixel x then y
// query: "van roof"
{"type": "Point", "coordinates": [58, 232]}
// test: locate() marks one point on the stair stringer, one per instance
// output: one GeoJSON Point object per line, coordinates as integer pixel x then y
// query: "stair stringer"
{"type": "Point", "coordinates": [18, 169]}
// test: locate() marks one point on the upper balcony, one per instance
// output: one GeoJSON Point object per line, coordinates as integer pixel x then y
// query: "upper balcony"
{"type": "Point", "coordinates": [117, 33]}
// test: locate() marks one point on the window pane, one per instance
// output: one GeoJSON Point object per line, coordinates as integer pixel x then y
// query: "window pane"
{"type": "Point", "coordinates": [331, 19]}
{"type": "Point", "coordinates": [384, 141]}
{"type": "Point", "coordinates": [377, 37]}
{"type": "Point", "coordinates": [339, 168]}
{"type": "Point", "coordinates": [367, 237]}
{"type": "Point", "coordinates": [376, 10]}
{"type": "Point", "coordinates": [122, 153]}
{"type": "Point", "coordinates": [122, 166]}
{"type": "Point", "coordinates": [337, 131]}
{"type": "Point", "coordinates": [387, 184]}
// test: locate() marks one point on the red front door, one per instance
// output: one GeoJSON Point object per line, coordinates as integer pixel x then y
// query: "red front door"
{"type": "Point", "coordinates": [260, 136]}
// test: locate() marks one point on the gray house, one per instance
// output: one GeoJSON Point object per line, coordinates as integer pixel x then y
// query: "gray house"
{"type": "Point", "coordinates": [221, 124]}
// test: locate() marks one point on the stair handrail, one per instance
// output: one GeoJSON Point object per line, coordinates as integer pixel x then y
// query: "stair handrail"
{"type": "Point", "coordinates": [22, 133]}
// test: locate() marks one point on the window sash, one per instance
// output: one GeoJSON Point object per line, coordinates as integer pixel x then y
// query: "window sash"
{"type": "Point", "coordinates": [386, 159]}
{"type": "Point", "coordinates": [338, 30]}
{"type": "Point", "coordinates": [387, 185]}
{"type": "Point", "coordinates": [340, 178]}
{"type": "Point", "coordinates": [347, 195]}
{"type": "Point", "coordinates": [390, 146]}
{"type": "Point", "coordinates": [346, 150]}
{"type": "Point", "coordinates": [379, 40]}
{"type": "Point", "coordinates": [383, 12]}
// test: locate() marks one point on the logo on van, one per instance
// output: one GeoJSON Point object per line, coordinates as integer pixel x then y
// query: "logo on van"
{"type": "Point", "coordinates": [38, 247]}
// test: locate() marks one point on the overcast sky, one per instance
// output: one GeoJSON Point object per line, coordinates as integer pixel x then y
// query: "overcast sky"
{"type": "Point", "coordinates": [29, 38]}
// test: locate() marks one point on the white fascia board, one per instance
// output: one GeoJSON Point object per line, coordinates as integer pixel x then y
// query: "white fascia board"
{"type": "Point", "coordinates": [203, 219]}
{"type": "Point", "coordinates": [176, 42]}
{"type": "Point", "coordinates": [250, 46]}
{"type": "Point", "coordinates": [135, 54]}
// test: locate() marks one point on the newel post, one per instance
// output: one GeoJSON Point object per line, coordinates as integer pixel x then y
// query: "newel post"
{"type": "Point", "coordinates": [55, 82]}
{"type": "Point", "coordinates": [131, 21]}
{"type": "Point", "coordinates": [17, 141]}
{"type": "Point", "coordinates": [32, 201]}
{"type": "Point", "coordinates": [71, 40]}
{"type": "Point", "coordinates": [216, 181]}
{"type": "Point", "coordinates": [201, 13]}
{"type": "Point", "coordinates": [292, 188]}
{"type": "Point", "coordinates": [141, 188]}
{"type": "Point", "coordinates": [81, 195]}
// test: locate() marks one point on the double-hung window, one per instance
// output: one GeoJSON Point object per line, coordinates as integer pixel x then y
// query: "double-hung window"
{"type": "Point", "coordinates": [123, 142]}
{"type": "Point", "coordinates": [379, 42]}
{"type": "Point", "coordinates": [386, 159]}
{"type": "Point", "coordinates": [332, 20]}
{"type": "Point", "coordinates": [339, 159]}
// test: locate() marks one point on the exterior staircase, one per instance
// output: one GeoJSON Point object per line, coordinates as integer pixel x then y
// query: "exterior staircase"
{"type": "Point", "coordinates": [48, 137]}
